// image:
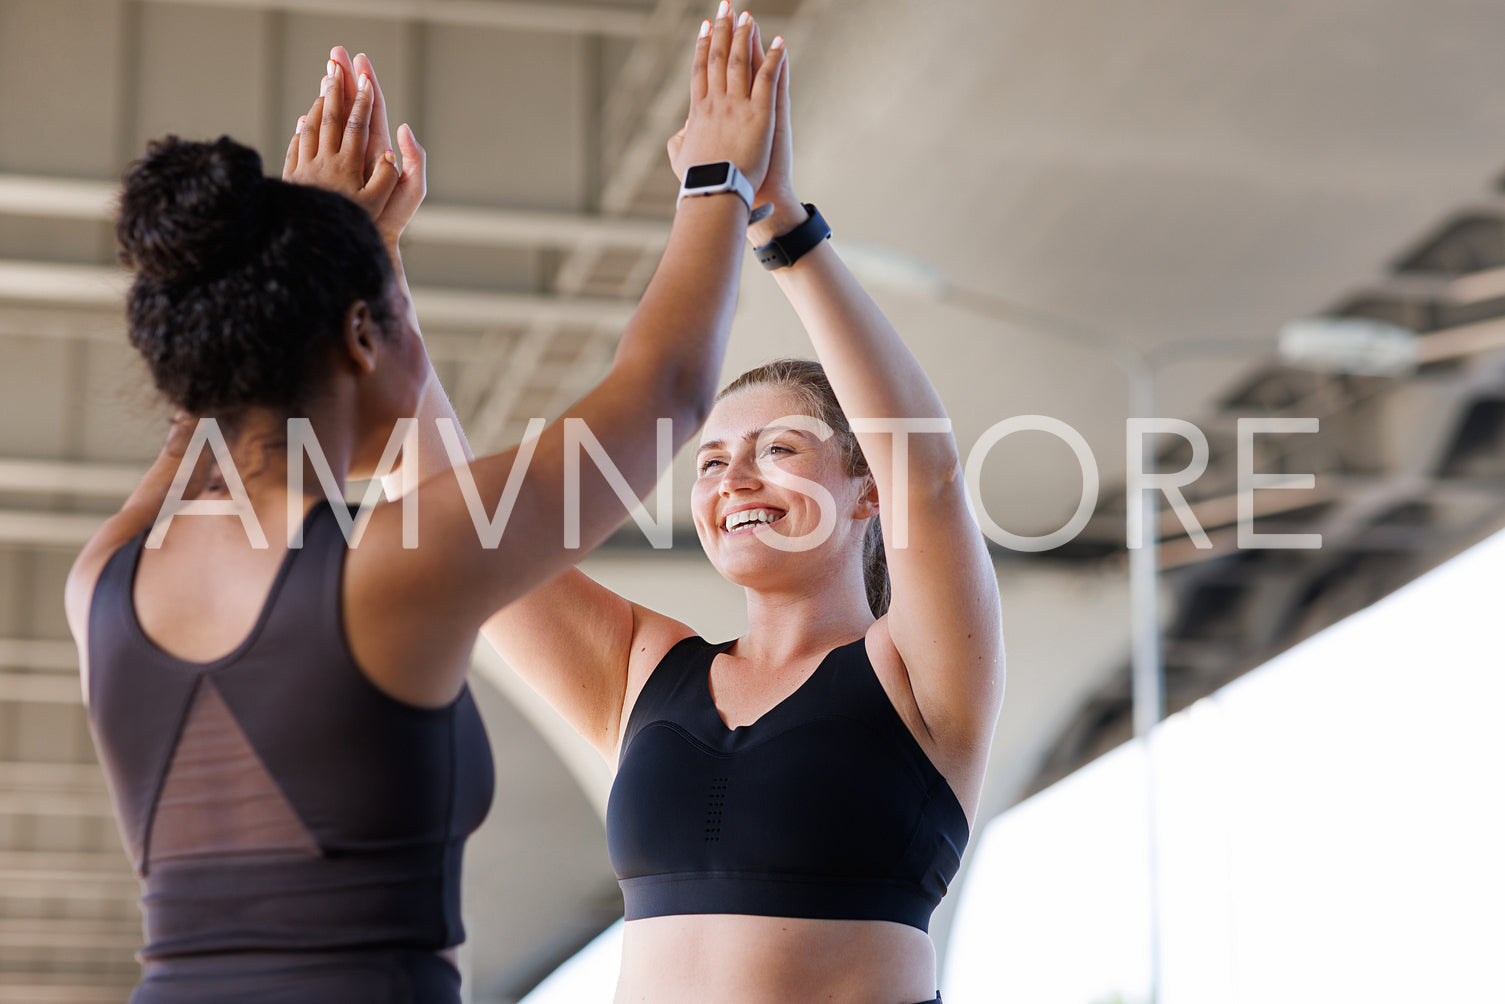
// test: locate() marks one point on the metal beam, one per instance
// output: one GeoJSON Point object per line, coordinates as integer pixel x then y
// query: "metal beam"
{"type": "Point", "coordinates": [50, 875]}
{"type": "Point", "coordinates": [34, 653]}
{"type": "Point", "coordinates": [1459, 290]}
{"type": "Point", "coordinates": [54, 934]}
{"type": "Point", "coordinates": [102, 286]}
{"type": "Point", "coordinates": [43, 875]}
{"type": "Point", "coordinates": [66, 198]}
{"type": "Point", "coordinates": [40, 688]}
{"type": "Point", "coordinates": [37, 775]}
{"type": "Point", "coordinates": [62, 322]}
{"type": "Point", "coordinates": [1464, 340]}
{"type": "Point", "coordinates": [462, 308]}
{"type": "Point", "coordinates": [564, 18]}
{"type": "Point", "coordinates": [64, 863]}
{"type": "Point", "coordinates": [70, 478]}
{"type": "Point", "coordinates": [70, 285]}
{"type": "Point", "coordinates": [57, 198]}
{"type": "Point", "coordinates": [50, 529]}
{"type": "Point", "coordinates": [519, 228]}
{"type": "Point", "coordinates": [55, 803]}
{"type": "Point", "coordinates": [59, 993]}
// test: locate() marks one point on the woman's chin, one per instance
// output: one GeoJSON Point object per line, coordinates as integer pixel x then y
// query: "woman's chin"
{"type": "Point", "coordinates": [753, 564]}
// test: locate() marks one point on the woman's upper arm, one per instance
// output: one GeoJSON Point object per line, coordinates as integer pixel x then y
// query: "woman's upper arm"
{"type": "Point", "coordinates": [496, 539]}
{"type": "Point", "coordinates": [585, 649]}
{"type": "Point", "coordinates": [490, 531]}
{"type": "Point", "coordinates": [569, 639]}
{"type": "Point", "coordinates": [83, 576]}
{"type": "Point", "coordinates": [944, 616]}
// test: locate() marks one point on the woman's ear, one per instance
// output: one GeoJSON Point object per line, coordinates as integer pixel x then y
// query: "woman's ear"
{"type": "Point", "coordinates": [867, 499]}
{"type": "Point", "coordinates": [360, 337]}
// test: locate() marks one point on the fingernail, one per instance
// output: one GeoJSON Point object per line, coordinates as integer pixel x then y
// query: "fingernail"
{"type": "Point", "coordinates": [777, 43]}
{"type": "Point", "coordinates": [302, 124]}
{"type": "Point", "coordinates": [724, 10]}
{"type": "Point", "coordinates": [332, 68]}
{"type": "Point", "coordinates": [743, 18]}
{"type": "Point", "coordinates": [390, 159]}
{"type": "Point", "coordinates": [705, 28]}
{"type": "Point", "coordinates": [363, 83]}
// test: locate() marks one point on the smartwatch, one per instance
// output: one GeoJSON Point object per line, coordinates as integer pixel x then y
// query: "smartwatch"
{"type": "Point", "coordinates": [786, 249]}
{"type": "Point", "coordinates": [715, 178]}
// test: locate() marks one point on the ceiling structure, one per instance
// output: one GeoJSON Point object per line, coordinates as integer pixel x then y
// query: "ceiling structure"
{"type": "Point", "coordinates": [1169, 182]}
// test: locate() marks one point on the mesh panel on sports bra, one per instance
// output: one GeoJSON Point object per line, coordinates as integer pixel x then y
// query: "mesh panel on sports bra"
{"type": "Point", "coordinates": [218, 798]}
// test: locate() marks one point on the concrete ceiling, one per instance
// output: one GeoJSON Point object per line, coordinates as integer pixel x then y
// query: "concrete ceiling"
{"type": "Point", "coordinates": [1165, 175]}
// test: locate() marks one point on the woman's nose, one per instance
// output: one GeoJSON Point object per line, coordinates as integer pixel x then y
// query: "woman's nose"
{"type": "Point", "coordinates": [741, 474]}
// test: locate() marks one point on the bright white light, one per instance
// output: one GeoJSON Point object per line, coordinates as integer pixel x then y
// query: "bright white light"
{"type": "Point", "coordinates": [1331, 828]}
{"type": "Point", "coordinates": [1350, 345]}
{"type": "Point", "coordinates": [589, 975]}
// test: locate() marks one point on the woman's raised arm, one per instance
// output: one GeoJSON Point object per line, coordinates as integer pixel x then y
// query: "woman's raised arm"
{"type": "Point", "coordinates": [666, 367]}
{"type": "Point", "coordinates": [943, 617]}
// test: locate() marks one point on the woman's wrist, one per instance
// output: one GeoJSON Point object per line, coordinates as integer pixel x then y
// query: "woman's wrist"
{"type": "Point", "coordinates": [788, 213]}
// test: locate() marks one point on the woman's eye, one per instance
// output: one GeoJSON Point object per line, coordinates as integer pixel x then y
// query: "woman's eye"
{"type": "Point", "coordinates": [706, 465]}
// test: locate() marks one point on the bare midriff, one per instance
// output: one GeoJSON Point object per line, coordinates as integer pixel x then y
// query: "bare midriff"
{"type": "Point", "coordinates": [739, 959]}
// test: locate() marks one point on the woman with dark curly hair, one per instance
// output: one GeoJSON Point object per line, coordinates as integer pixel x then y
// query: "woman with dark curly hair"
{"type": "Point", "coordinates": [283, 717]}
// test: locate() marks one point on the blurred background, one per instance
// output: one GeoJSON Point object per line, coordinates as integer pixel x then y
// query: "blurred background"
{"type": "Point", "coordinates": [1064, 205]}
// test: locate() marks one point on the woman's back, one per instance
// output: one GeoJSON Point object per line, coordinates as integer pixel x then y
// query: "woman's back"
{"type": "Point", "coordinates": [275, 799]}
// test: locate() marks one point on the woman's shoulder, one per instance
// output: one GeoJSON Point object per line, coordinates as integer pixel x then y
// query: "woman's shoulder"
{"type": "Point", "coordinates": [83, 577]}
{"type": "Point", "coordinates": [654, 637]}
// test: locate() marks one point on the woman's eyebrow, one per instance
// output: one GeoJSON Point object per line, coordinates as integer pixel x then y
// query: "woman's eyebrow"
{"type": "Point", "coordinates": [770, 430]}
{"type": "Point", "coordinates": [752, 437]}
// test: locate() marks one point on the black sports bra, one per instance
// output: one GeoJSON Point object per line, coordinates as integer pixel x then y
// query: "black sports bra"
{"type": "Point", "coordinates": [826, 807]}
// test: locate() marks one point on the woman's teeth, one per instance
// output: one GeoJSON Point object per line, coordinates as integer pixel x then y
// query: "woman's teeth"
{"type": "Point", "coordinates": [740, 519]}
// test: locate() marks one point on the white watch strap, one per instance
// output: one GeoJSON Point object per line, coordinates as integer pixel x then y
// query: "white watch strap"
{"type": "Point", "coordinates": [736, 182]}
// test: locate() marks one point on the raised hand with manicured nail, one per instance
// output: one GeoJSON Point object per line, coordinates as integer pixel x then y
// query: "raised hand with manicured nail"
{"type": "Point", "coordinates": [351, 154]}
{"type": "Point", "coordinates": [777, 189]}
{"type": "Point", "coordinates": [733, 90]}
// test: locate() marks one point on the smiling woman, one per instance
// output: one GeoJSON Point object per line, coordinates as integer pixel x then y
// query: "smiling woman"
{"type": "Point", "coordinates": [790, 806]}
{"type": "Point", "coordinates": [791, 446]}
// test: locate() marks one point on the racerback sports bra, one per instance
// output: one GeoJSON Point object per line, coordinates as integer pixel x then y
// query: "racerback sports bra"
{"type": "Point", "coordinates": [826, 807]}
{"type": "Point", "coordinates": [275, 799]}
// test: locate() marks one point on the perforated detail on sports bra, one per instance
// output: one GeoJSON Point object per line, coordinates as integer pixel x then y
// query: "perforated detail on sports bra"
{"type": "Point", "coordinates": [217, 798]}
{"type": "Point", "coordinates": [715, 809]}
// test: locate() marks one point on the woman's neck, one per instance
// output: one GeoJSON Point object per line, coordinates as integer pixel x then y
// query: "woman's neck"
{"type": "Point", "coordinates": [258, 446]}
{"type": "Point", "coordinates": [785, 625]}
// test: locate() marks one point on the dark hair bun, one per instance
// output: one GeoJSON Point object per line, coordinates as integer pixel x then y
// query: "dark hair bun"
{"type": "Point", "coordinates": [188, 208]}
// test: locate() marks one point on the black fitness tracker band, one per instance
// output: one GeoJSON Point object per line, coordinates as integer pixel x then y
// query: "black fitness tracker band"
{"type": "Point", "coordinates": [785, 250]}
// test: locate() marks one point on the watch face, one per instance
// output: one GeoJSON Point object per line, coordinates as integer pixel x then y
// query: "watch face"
{"type": "Point", "coordinates": [707, 175]}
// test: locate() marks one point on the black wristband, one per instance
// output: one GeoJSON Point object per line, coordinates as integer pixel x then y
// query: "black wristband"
{"type": "Point", "coordinates": [786, 249]}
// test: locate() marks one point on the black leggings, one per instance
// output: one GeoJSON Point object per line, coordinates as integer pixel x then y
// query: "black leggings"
{"type": "Point", "coordinates": [385, 976]}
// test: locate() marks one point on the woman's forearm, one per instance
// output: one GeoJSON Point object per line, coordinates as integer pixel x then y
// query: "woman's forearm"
{"type": "Point", "coordinates": [677, 334]}
{"type": "Point", "coordinates": [872, 371]}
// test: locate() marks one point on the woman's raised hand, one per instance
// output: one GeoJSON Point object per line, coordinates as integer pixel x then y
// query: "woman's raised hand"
{"type": "Point", "coordinates": [778, 184]}
{"type": "Point", "coordinates": [351, 153]}
{"type": "Point", "coordinates": [733, 90]}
